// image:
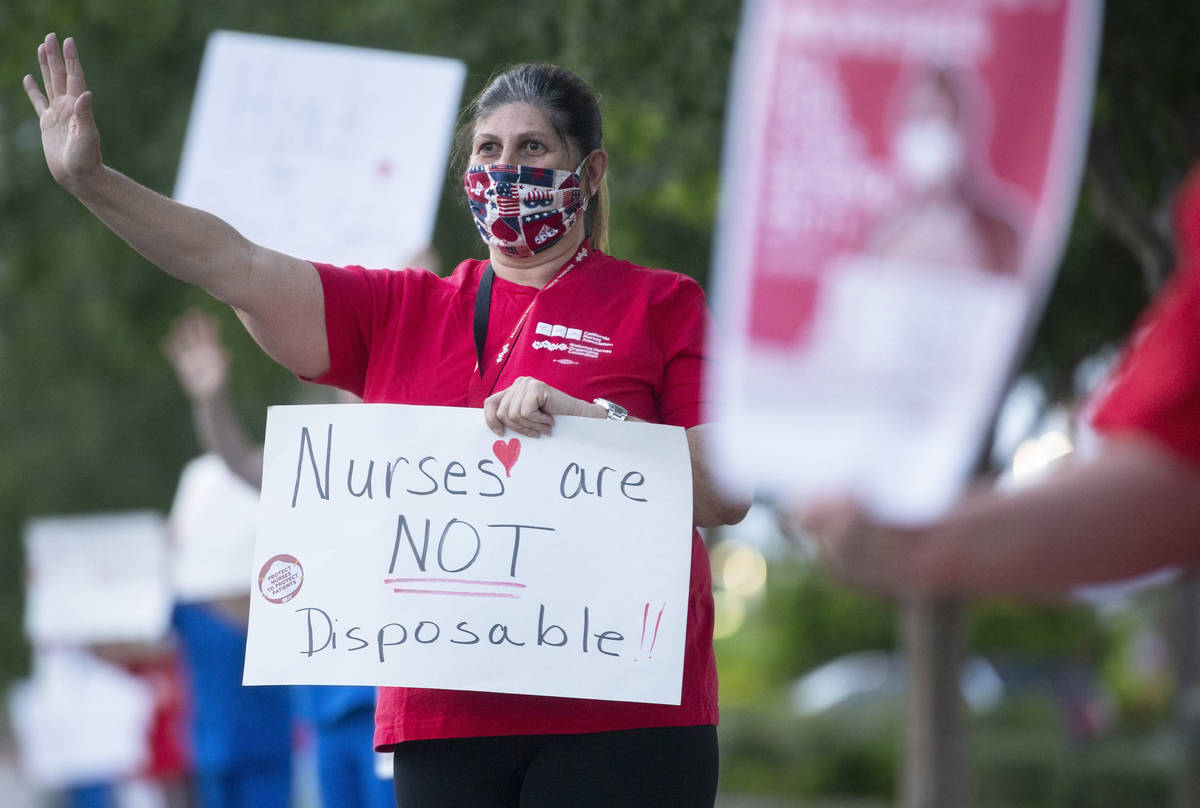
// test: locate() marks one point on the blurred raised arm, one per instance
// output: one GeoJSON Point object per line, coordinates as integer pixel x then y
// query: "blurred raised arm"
{"type": "Point", "coordinates": [1132, 509]}
{"type": "Point", "coordinates": [193, 347]}
{"type": "Point", "coordinates": [278, 297]}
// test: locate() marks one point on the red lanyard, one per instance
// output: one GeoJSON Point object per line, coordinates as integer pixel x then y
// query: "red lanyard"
{"type": "Point", "coordinates": [483, 305]}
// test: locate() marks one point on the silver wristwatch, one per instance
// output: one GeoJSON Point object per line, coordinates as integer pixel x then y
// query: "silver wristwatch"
{"type": "Point", "coordinates": [615, 411]}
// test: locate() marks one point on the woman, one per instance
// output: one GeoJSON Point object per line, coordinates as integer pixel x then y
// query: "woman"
{"type": "Point", "coordinates": [563, 330]}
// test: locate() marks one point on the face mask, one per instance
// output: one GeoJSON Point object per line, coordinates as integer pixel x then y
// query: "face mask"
{"type": "Point", "coordinates": [523, 210]}
{"type": "Point", "coordinates": [929, 152]}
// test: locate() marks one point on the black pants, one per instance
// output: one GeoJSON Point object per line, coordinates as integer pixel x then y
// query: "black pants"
{"type": "Point", "coordinates": [666, 766]}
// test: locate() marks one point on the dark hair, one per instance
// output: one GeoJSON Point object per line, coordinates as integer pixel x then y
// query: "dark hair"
{"type": "Point", "coordinates": [570, 105]}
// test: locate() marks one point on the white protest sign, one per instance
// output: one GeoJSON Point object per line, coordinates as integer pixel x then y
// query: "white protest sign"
{"type": "Point", "coordinates": [212, 524]}
{"type": "Point", "coordinates": [326, 152]}
{"type": "Point", "coordinates": [408, 546]}
{"type": "Point", "coordinates": [97, 578]}
{"type": "Point", "coordinates": [60, 748]}
{"type": "Point", "coordinates": [897, 186]}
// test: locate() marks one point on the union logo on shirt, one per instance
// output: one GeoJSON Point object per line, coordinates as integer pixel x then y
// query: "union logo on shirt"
{"type": "Point", "coordinates": [575, 342]}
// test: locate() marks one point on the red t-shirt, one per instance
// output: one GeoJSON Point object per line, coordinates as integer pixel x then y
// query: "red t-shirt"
{"type": "Point", "coordinates": [1156, 390]}
{"type": "Point", "coordinates": [607, 329]}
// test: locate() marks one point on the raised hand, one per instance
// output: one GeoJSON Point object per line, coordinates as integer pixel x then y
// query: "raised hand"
{"type": "Point", "coordinates": [278, 297]}
{"type": "Point", "coordinates": [194, 349]}
{"type": "Point", "coordinates": [70, 138]}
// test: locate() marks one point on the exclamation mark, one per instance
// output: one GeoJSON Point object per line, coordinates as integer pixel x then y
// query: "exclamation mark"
{"type": "Point", "coordinates": [645, 614]}
{"type": "Point", "coordinates": [654, 639]}
{"type": "Point", "coordinates": [654, 636]}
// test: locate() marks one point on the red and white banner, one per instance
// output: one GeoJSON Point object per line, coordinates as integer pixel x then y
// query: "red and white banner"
{"type": "Point", "coordinates": [898, 179]}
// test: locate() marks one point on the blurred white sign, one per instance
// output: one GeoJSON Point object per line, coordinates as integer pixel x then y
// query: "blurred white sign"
{"type": "Point", "coordinates": [96, 578]}
{"type": "Point", "coordinates": [212, 524]}
{"type": "Point", "coordinates": [80, 720]}
{"type": "Point", "coordinates": [408, 546]}
{"type": "Point", "coordinates": [325, 152]}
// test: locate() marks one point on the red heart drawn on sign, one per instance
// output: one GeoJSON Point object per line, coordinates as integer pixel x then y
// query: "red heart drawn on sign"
{"type": "Point", "coordinates": [507, 453]}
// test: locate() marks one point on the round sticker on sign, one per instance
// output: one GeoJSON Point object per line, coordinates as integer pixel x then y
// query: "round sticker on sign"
{"type": "Point", "coordinates": [280, 578]}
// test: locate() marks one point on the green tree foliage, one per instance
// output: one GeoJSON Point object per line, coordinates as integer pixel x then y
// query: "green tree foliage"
{"type": "Point", "coordinates": [1145, 135]}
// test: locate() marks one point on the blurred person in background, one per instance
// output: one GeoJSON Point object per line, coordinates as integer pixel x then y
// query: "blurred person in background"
{"type": "Point", "coordinates": [163, 780]}
{"type": "Point", "coordinates": [1131, 508]}
{"type": "Point", "coordinates": [341, 718]}
{"type": "Point", "coordinates": [241, 736]}
{"type": "Point", "coordinates": [241, 741]}
{"type": "Point", "coordinates": [536, 191]}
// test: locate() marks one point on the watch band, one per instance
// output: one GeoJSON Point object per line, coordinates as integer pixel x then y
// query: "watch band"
{"type": "Point", "coordinates": [615, 411]}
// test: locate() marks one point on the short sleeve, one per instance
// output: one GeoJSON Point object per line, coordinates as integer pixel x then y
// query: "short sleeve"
{"type": "Point", "coordinates": [355, 307]}
{"type": "Point", "coordinates": [1156, 390]}
{"type": "Point", "coordinates": [682, 327]}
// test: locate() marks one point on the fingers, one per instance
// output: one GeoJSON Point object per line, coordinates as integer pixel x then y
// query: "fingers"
{"type": "Point", "coordinates": [841, 531]}
{"type": "Point", "coordinates": [827, 517]}
{"type": "Point", "coordinates": [83, 109]}
{"type": "Point", "coordinates": [54, 74]}
{"type": "Point", "coordinates": [195, 329]}
{"type": "Point", "coordinates": [521, 414]}
{"type": "Point", "coordinates": [75, 83]}
{"type": "Point", "coordinates": [44, 67]}
{"type": "Point", "coordinates": [194, 350]}
{"type": "Point", "coordinates": [520, 408]}
{"type": "Point", "coordinates": [62, 71]}
{"type": "Point", "coordinates": [54, 71]}
{"type": "Point", "coordinates": [490, 405]}
{"type": "Point", "coordinates": [36, 98]}
{"type": "Point", "coordinates": [854, 546]}
{"type": "Point", "coordinates": [175, 345]}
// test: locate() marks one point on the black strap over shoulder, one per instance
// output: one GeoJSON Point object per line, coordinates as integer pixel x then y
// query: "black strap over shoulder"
{"type": "Point", "coordinates": [483, 307]}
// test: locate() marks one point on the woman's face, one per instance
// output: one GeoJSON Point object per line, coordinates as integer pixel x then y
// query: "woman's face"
{"type": "Point", "coordinates": [519, 133]}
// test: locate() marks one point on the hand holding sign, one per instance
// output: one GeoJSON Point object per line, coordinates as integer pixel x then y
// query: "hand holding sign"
{"type": "Point", "coordinates": [528, 407]}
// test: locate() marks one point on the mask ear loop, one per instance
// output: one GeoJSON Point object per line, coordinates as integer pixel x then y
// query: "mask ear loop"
{"type": "Point", "coordinates": [579, 172]}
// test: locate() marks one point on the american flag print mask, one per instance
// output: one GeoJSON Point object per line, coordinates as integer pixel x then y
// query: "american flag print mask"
{"type": "Point", "coordinates": [522, 210]}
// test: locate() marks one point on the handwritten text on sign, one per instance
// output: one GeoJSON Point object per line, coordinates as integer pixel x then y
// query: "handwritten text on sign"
{"type": "Point", "coordinates": [408, 546]}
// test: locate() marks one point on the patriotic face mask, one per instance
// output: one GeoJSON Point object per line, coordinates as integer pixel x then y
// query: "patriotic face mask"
{"type": "Point", "coordinates": [523, 210]}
